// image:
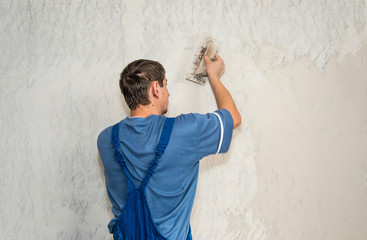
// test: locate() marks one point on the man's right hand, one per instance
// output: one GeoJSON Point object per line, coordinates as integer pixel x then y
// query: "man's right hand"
{"type": "Point", "coordinates": [215, 67]}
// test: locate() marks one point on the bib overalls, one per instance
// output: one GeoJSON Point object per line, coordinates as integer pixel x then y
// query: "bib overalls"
{"type": "Point", "coordinates": [135, 221]}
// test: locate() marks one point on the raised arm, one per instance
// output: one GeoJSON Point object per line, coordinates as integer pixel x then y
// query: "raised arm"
{"type": "Point", "coordinates": [215, 69]}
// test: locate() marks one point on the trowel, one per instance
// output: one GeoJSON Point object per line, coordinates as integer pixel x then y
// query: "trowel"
{"type": "Point", "coordinates": [196, 71]}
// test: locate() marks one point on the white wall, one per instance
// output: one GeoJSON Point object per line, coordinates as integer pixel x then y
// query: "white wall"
{"type": "Point", "coordinates": [297, 168]}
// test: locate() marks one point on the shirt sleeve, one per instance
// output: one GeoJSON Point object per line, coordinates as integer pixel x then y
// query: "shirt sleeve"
{"type": "Point", "coordinates": [214, 132]}
{"type": "Point", "coordinates": [112, 171]}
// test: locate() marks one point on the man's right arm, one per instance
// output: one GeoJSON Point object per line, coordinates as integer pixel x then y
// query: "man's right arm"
{"type": "Point", "coordinates": [214, 70]}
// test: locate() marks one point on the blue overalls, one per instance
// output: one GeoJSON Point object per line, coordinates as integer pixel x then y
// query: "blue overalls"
{"type": "Point", "coordinates": [135, 221]}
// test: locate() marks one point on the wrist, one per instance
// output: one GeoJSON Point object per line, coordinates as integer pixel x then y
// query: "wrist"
{"type": "Point", "coordinates": [213, 76]}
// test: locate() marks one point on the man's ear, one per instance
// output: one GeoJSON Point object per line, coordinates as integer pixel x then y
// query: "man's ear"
{"type": "Point", "coordinates": [155, 89]}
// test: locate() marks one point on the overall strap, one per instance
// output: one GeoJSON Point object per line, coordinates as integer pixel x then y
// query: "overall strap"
{"type": "Point", "coordinates": [119, 157]}
{"type": "Point", "coordinates": [161, 147]}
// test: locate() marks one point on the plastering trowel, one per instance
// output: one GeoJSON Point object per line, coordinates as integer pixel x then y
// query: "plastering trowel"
{"type": "Point", "coordinates": [196, 71]}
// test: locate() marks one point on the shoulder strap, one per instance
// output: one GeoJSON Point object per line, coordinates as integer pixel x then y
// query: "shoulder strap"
{"type": "Point", "coordinates": [161, 147]}
{"type": "Point", "coordinates": [118, 155]}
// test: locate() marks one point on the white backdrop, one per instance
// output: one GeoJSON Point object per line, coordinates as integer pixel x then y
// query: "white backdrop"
{"type": "Point", "coordinates": [59, 68]}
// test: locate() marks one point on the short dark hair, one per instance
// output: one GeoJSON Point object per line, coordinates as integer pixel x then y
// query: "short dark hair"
{"type": "Point", "coordinates": [136, 79]}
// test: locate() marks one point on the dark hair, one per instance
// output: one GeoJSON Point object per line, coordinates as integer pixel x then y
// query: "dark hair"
{"type": "Point", "coordinates": [136, 79]}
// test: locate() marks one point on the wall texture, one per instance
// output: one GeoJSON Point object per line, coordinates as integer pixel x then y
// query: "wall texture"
{"type": "Point", "coordinates": [297, 168]}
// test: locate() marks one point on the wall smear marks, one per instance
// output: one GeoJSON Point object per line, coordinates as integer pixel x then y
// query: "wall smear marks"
{"type": "Point", "coordinates": [59, 68]}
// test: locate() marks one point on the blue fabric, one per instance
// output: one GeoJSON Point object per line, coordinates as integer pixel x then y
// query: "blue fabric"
{"type": "Point", "coordinates": [171, 190]}
{"type": "Point", "coordinates": [135, 221]}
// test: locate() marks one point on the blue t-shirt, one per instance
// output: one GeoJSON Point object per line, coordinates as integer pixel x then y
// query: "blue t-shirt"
{"type": "Point", "coordinates": [171, 190]}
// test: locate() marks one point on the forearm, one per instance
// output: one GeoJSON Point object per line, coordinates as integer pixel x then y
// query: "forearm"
{"type": "Point", "coordinates": [214, 70]}
{"type": "Point", "coordinates": [224, 99]}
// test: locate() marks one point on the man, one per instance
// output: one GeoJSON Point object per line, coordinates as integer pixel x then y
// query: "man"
{"type": "Point", "coordinates": [158, 202]}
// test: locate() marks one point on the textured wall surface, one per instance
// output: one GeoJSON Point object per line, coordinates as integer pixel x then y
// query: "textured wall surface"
{"type": "Point", "coordinates": [297, 168]}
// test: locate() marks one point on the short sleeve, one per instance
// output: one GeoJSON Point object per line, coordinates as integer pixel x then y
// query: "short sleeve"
{"type": "Point", "coordinates": [112, 171]}
{"type": "Point", "coordinates": [214, 132]}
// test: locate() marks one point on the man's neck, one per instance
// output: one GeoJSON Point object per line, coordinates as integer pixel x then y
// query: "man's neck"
{"type": "Point", "coordinates": [144, 111]}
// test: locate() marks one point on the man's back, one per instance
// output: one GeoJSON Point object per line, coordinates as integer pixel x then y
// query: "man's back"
{"type": "Point", "coordinates": [171, 190]}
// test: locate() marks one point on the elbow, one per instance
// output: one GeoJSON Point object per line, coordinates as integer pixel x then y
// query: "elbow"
{"type": "Point", "coordinates": [237, 120]}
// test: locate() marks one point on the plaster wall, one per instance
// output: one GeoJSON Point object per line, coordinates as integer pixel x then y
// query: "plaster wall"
{"type": "Point", "coordinates": [297, 167]}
